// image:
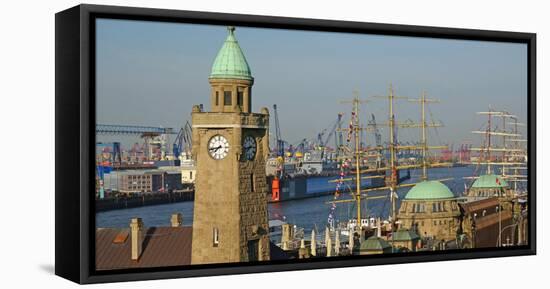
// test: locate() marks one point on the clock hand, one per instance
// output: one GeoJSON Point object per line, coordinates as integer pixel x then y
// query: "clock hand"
{"type": "Point", "coordinates": [215, 149]}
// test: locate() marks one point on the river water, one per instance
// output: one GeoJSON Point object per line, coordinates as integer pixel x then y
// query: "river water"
{"type": "Point", "coordinates": [305, 213]}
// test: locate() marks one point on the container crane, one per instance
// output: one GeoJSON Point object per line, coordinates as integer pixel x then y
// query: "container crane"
{"type": "Point", "coordinates": [333, 128]}
{"type": "Point", "coordinates": [183, 140]}
{"type": "Point", "coordinates": [280, 154]}
{"type": "Point", "coordinates": [377, 137]}
{"type": "Point", "coordinates": [280, 147]}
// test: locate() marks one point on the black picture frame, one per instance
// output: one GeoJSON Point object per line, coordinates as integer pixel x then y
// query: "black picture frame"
{"type": "Point", "coordinates": [75, 136]}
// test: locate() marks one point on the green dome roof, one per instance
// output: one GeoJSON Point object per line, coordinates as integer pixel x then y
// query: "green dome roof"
{"type": "Point", "coordinates": [405, 235]}
{"type": "Point", "coordinates": [489, 181]}
{"type": "Point", "coordinates": [374, 243]}
{"type": "Point", "coordinates": [230, 61]}
{"type": "Point", "coordinates": [427, 190]}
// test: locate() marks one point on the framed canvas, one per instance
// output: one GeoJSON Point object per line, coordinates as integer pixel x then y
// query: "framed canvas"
{"type": "Point", "coordinates": [194, 144]}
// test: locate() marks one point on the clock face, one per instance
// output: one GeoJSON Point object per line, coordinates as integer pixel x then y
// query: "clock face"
{"type": "Point", "coordinates": [249, 147]}
{"type": "Point", "coordinates": [218, 147]}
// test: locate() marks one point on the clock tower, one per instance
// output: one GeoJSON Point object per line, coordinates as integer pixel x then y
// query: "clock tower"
{"type": "Point", "coordinates": [230, 147]}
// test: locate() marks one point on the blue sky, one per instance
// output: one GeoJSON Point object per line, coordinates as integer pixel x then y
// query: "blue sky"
{"type": "Point", "coordinates": [151, 73]}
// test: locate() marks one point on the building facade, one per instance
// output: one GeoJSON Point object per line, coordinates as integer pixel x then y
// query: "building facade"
{"type": "Point", "coordinates": [431, 210]}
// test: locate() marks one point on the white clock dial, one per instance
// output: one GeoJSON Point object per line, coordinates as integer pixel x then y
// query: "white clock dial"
{"type": "Point", "coordinates": [249, 147]}
{"type": "Point", "coordinates": [218, 147]}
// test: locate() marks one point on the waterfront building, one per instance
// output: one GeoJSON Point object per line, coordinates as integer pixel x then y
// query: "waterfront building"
{"type": "Point", "coordinates": [487, 223]}
{"type": "Point", "coordinates": [230, 146]}
{"type": "Point", "coordinates": [188, 174]}
{"type": "Point", "coordinates": [143, 181]}
{"type": "Point", "coordinates": [430, 209]}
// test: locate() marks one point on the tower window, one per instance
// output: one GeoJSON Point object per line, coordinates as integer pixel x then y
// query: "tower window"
{"type": "Point", "coordinates": [227, 97]}
{"type": "Point", "coordinates": [240, 97]}
{"type": "Point", "coordinates": [217, 98]}
{"type": "Point", "coordinates": [253, 250]}
{"type": "Point", "coordinates": [421, 208]}
{"type": "Point", "coordinates": [252, 183]}
{"type": "Point", "coordinates": [216, 237]}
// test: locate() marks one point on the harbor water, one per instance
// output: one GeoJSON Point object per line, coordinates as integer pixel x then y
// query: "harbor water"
{"type": "Point", "coordinates": [306, 213]}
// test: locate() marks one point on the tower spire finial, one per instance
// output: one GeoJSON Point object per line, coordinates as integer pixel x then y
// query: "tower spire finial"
{"type": "Point", "coordinates": [231, 29]}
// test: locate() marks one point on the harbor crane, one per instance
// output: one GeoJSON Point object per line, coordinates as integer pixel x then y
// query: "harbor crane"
{"type": "Point", "coordinates": [183, 141]}
{"type": "Point", "coordinates": [280, 144]}
{"type": "Point", "coordinates": [332, 131]}
{"type": "Point", "coordinates": [153, 136]}
{"type": "Point", "coordinates": [377, 137]}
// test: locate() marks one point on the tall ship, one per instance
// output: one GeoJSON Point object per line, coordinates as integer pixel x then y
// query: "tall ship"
{"type": "Point", "coordinates": [402, 229]}
{"type": "Point", "coordinates": [495, 201]}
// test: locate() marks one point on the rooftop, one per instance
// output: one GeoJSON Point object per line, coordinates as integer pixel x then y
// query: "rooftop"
{"type": "Point", "coordinates": [162, 247]}
{"type": "Point", "coordinates": [427, 190]}
{"type": "Point", "coordinates": [374, 243]}
{"type": "Point", "coordinates": [230, 61]}
{"type": "Point", "coordinates": [404, 235]}
{"type": "Point", "coordinates": [489, 181]}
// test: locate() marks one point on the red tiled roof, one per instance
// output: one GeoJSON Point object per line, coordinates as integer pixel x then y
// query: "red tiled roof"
{"type": "Point", "coordinates": [162, 247]}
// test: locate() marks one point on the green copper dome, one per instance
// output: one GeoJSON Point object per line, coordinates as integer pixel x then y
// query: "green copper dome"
{"type": "Point", "coordinates": [427, 190]}
{"type": "Point", "coordinates": [404, 235]}
{"type": "Point", "coordinates": [230, 61]}
{"type": "Point", "coordinates": [374, 243]}
{"type": "Point", "coordinates": [489, 181]}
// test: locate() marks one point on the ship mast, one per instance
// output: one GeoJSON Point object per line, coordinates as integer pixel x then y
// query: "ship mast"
{"type": "Point", "coordinates": [423, 131]}
{"type": "Point", "coordinates": [357, 129]}
{"type": "Point", "coordinates": [393, 180]}
{"type": "Point", "coordinates": [392, 183]}
{"type": "Point", "coordinates": [489, 148]}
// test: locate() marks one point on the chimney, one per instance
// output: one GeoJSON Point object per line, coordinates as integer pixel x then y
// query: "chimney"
{"type": "Point", "coordinates": [176, 220]}
{"type": "Point", "coordinates": [136, 237]}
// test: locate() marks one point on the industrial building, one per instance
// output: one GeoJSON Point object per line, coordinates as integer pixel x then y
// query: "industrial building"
{"type": "Point", "coordinates": [143, 181]}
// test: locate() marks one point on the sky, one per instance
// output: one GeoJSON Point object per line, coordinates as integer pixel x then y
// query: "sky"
{"type": "Point", "coordinates": [152, 73]}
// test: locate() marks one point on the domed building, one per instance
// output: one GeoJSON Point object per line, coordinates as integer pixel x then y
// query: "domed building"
{"type": "Point", "coordinates": [430, 209]}
{"type": "Point", "coordinates": [486, 186]}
